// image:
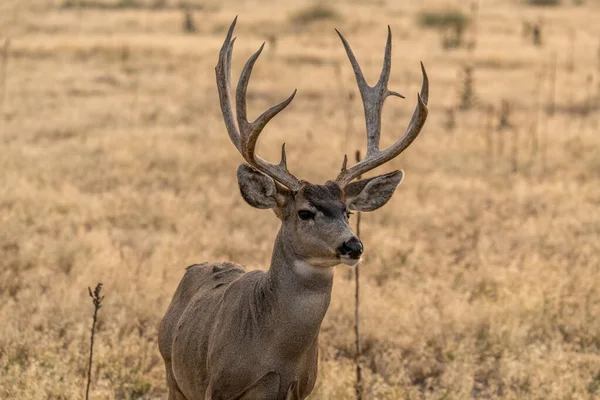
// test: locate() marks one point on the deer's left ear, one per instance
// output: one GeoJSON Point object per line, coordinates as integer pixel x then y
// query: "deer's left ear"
{"type": "Point", "coordinates": [372, 193]}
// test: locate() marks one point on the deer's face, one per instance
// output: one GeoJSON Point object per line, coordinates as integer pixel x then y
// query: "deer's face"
{"type": "Point", "coordinates": [315, 219]}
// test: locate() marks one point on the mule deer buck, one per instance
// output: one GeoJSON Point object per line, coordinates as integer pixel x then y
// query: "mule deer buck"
{"type": "Point", "coordinates": [230, 334]}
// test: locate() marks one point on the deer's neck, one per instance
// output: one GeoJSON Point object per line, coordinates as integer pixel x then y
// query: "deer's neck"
{"type": "Point", "coordinates": [293, 274]}
{"type": "Point", "coordinates": [302, 293]}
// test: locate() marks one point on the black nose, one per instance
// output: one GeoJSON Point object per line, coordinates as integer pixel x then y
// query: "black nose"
{"type": "Point", "coordinates": [352, 248]}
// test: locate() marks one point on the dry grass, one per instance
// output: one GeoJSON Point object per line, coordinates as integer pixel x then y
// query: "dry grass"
{"type": "Point", "coordinates": [115, 167]}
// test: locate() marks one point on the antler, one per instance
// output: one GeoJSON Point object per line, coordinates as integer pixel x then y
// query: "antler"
{"type": "Point", "coordinates": [373, 98]}
{"type": "Point", "coordinates": [246, 136]}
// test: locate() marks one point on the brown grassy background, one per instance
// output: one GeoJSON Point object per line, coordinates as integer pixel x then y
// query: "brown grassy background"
{"type": "Point", "coordinates": [481, 277]}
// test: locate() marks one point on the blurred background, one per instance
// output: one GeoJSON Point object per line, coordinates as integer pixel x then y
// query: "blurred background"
{"type": "Point", "coordinates": [481, 275]}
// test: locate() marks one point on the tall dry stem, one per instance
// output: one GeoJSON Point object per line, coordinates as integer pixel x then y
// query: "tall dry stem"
{"type": "Point", "coordinates": [359, 384]}
{"type": "Point", "coordinates": [97, 301]}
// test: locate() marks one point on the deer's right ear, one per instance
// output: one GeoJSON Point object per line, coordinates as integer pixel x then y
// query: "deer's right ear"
{"type": "Point", "coordinates": [258, 189]}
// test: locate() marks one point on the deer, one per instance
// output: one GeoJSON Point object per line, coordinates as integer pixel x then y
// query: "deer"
{"type": "Point", "coordinates": [229, 334]}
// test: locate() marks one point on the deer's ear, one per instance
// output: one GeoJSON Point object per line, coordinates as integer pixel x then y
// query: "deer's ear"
{"type": "Point", "coordinates": [370, 194]}
{"type": "Point", "coordinates": [258, 189]}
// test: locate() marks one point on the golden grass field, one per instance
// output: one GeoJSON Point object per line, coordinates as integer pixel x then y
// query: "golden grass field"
{"type": "Point", "coordinates": [481, 277]}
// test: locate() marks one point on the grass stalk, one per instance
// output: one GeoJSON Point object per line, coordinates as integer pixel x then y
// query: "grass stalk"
{"type": "Point", "coordinates": [97, 301]}
{"type": "Point", "coordinates": [359, 384]}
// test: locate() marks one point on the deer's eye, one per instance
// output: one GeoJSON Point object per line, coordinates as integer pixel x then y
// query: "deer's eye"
{"type": "Point", "coordinates": [306, 215]}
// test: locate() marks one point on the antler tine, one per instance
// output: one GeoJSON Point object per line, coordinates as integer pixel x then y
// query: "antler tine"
{"type": "Point", "coordinates": [223, 72]}
{"type": "Point", "coordinates": [373, 99]}
{"type": "Point", "coordinates": [387, 67]}
{"type": "Point", "coordinates": [360, 79]}
{"type": "Point", "coordinates": [246, 134]}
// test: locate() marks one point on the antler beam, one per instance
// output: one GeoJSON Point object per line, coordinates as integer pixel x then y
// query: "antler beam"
{"type": "Point", "coordinates": [245, 135]}
{"type": "Point", "coordinates": [373, 98]}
